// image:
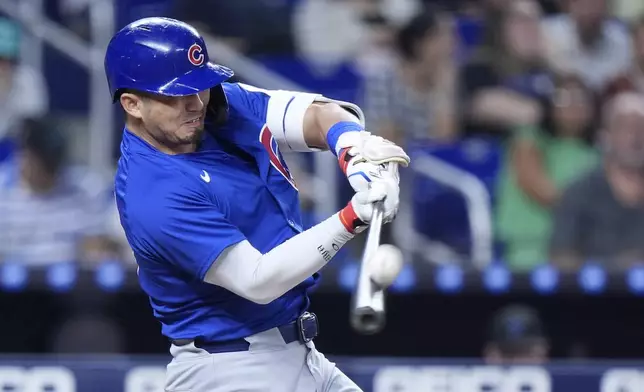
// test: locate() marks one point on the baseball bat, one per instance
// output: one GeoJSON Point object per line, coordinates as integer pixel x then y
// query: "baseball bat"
{"type": "Point", "coordinates": [368, 302]}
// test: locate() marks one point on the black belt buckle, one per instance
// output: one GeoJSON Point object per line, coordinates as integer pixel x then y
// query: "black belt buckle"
{"type": "Point", "coordinates": [308, 326]}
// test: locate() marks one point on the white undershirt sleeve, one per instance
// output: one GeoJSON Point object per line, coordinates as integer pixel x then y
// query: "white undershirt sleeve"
{"type": "Point", "coordinates": [262, 278]}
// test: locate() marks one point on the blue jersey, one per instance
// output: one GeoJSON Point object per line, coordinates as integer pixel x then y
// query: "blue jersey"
{"type": "Point", "coordinates": [180, 212]}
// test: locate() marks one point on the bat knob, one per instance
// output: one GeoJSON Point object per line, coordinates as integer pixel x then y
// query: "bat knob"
{"type": "Point", "coordinates": [367, 321]}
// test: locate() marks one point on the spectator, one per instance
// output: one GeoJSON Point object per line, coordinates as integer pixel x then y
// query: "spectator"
{"type": "Point", "coordinates": [86, 331]}
{"type": "Point", "coordinates": [377, 53]}
{"type": "Point", "coordinates": [75, 15]}
{"type": "Point", "coordinates": [540, 163]}
{"type": "Point", "coordinates": [255, 27]}
{"type": "Point", "coordinates": [23, 91]}
{"type": "Point", "coordinates": [416, 98]}
{"type": "Point", "coordinates": [475, 16]}
{"type": "Point", "coordinates": [636, 75]}
{"type": "Point", "coordinates": [328, 33]}
{"type": "Point", "coordinates": [504, 82]}
{"type": "Point", "coordinates": [331, 33]}
{"type": "Point", "coordinates": [637, 69]}
{"type": "Point", "coordinates": [399, 11]}
{"type": "Point", "coordinates": [46, 212]}
{"type": "Point", "coordinates": [601, 216]}
{"type": "Point", "coordinates": [516, 336]}
{"type": "Point", "coordinates": [627, 10]}
{"type": "Point", "coordinates": [634, 78]}
{"type": "Point", "coordinates": [585, 41]}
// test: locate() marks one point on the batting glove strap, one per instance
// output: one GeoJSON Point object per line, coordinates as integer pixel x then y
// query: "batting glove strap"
{"type": "Point", "coordinates": [343, 159]}
{"type": "Point", "coordinates": [350, 219]}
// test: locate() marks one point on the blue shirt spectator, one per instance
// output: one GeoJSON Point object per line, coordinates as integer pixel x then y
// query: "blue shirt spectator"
{"type": "Point", "coordinates": [47, 209]}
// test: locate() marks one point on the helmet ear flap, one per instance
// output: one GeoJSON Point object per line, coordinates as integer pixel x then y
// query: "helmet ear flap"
{"type": "Point", "coordinates": [217, 109]}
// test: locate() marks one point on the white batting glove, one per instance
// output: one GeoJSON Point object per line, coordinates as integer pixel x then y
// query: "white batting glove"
{"type": "Point", "coordinates": [372, 148]}
{"type": "Point", "coordinates": [373, 158]}
{"type": "Point", "coordinates": [362, 173]}
{"type": "Point", "coordinates": [356, 216]}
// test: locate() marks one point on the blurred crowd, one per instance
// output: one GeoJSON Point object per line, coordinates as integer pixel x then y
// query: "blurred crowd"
{"type": "Point", "coordinates": [556, 86]}
{"type": "Point", "coordinates": [51, 210]}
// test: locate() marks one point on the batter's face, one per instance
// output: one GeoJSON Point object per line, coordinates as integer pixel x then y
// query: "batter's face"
{"type": "Point", "coordinates": [176, 124]}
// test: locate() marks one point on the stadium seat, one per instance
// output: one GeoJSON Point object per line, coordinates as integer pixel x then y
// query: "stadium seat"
{"type": "Point", "coordinates": [440, 213]}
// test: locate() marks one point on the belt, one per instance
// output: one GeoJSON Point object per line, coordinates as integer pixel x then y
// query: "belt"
{"type": "Point", "coordinates": [304, 329]}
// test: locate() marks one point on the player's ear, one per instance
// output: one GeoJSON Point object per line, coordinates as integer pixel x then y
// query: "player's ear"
{"type": "Point", "coordinates": [131, 103]}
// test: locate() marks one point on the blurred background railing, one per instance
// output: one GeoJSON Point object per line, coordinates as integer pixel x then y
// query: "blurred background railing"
{"type": "Point", "coordinates": [525, 122]}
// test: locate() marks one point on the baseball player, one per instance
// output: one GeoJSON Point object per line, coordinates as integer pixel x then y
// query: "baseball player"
{"type": "Point", "coordinates": [211, 210]}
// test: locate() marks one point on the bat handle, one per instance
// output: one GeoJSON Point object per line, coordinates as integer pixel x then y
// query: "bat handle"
{"type": "Point", "coordinates": [368, 307]}
{"type": "Point", "coordinates": [373, 232]}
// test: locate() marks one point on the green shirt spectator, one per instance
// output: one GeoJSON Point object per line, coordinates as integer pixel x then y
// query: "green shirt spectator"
{"type": "Point", "coordinates": [540, 163]}
{"type": "Point", "coordinates": [524, 224]}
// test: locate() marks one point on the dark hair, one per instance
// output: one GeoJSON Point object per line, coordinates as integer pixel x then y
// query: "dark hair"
{"type": "Point", "coordinates": [375, 19]}
{"type": "Point", "coordinates": [565, 79]}
{"type": "Point", "coordinates": [415, 31]}
{"type": "Point", "coordinates": [45, 141]}
{"type": "Point", "coordinates": [494, 49]}
{"type": "Point", "coordinates": [514, 327]}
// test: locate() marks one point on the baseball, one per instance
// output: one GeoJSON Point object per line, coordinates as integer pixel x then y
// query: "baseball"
{"type": "Point", "coordinates": [385, 265]}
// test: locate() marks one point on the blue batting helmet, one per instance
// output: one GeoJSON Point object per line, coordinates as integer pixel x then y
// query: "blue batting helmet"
{"type": "Point", "coordinates": [162, 56]}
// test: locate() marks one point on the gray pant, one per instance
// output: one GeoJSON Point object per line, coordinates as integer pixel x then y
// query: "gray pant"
{"type": "Point", "coordinates": [270, 365]}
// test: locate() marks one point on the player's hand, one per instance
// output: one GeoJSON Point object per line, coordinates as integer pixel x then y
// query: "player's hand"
{"type": "Point", "coordinates": [356, 216]}
{"type": "Point", "coordinates": [369, 148]}
{"type": "Point", "coordinates": [368, 163]}
{"type": "Point", "coordinates": [361, 174]}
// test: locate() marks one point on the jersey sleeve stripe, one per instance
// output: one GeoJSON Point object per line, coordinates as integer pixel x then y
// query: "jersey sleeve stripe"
{"type": "Point", "coordinates": [284, 123]}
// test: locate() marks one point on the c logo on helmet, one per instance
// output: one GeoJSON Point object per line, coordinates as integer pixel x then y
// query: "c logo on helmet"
{"type": "Point", "coordinates": [195, 55]}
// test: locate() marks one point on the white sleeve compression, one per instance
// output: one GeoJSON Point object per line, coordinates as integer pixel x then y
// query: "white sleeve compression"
{"type": "Point", "coordinates": [262, 278]}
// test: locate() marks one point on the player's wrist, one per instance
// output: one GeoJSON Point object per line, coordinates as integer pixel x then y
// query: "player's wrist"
{"type": "Point", "coordinates": [338, 134]}
{"type": "Point", "coordinates": [344, 158]}
{"type": "Point", "coordinates": [350, 219]}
